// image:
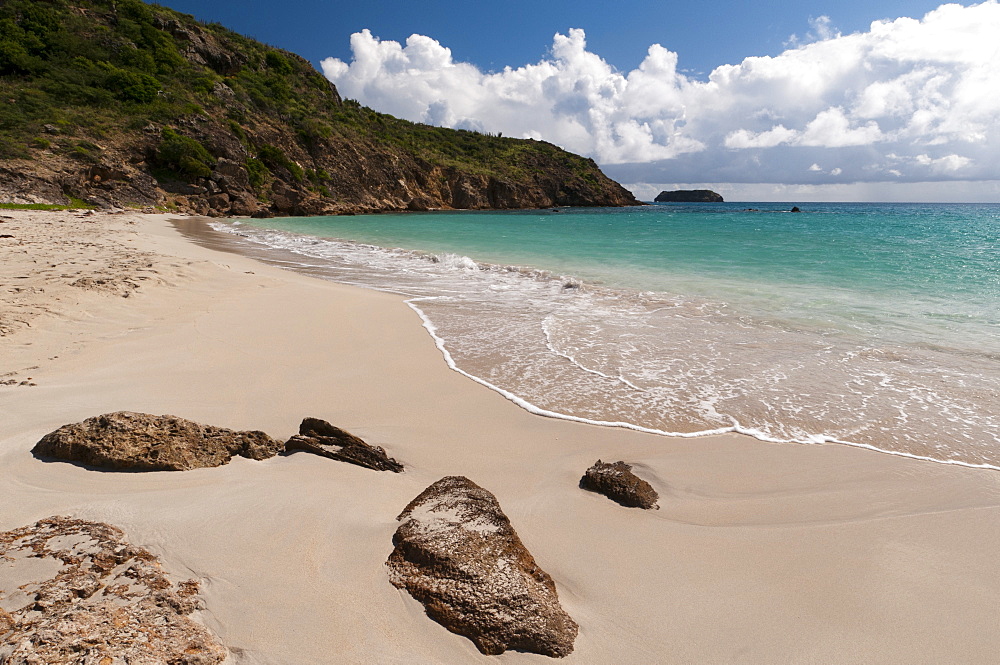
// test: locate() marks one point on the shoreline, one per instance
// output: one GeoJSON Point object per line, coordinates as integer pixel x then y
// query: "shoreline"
{"type": "Point", "coordinates": [761, 552]}
{"type": "Point", "coordinates": [199, 229]}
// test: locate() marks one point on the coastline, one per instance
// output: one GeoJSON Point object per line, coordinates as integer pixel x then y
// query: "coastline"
{"type": "Point", "coordinates": [761, 552]}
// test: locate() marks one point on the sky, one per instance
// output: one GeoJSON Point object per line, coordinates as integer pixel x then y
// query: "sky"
{"type": "Point", "coordinates": [788, 101]}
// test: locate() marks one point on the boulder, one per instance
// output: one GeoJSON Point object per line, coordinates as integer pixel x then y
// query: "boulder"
{"type": "Point", "coordinates": [141, 442]}
{"type": "Point", "coordinates": [617, 482]}
{"type": "Point", "coordinates": [321, 438]}
{"type": "Point", "coordinates": [689, 196]}
{"type": "Point", "coordinates": [457, 553]}
{"type": "Point", "coordinates": [78, 592]}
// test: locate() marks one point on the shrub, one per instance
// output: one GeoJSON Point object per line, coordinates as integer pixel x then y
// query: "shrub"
{"type": "Point", "coordinates": [257, 173]}
{"type": "Point", "coordinates": [184, 155]}
{"type": "Point", "coordinates": [278, 63]}
{"type": "Point", "coordinates": [274, 158]}
{"type": "Point", "coordinates": [132, 86]}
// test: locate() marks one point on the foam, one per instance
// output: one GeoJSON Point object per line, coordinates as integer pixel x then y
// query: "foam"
{"type": "Point", "coordinates": [700, 363]}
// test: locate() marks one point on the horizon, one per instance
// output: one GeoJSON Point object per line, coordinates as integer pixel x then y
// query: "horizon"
{"type": "Point", "coordinates": [788, 106]}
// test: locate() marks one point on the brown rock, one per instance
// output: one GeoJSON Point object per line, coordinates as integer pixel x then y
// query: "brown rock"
{"type": "Point", "coordinates": [141, 442]}
{"type": "Point", "coordinates": [78, 592]}
{"type": "Point", "coordinates": [618, 483]}
{"type": "Point", "coordinates": [457, 553]}
{"type": "Point", "coordinates": [219, 202]}
{"type": "Point", "coordinates": [321, 438]}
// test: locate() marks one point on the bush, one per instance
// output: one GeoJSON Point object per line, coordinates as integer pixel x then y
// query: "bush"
{"type": "Point", "coordinates": [278, 63]}
{"type": "Point", "coordinates": [184, 155]}
{"type": "Point", "coordinates": [257, 173]}
{"type": "Point", "coordinates": [274, 158]}
{"type": "Point", "coordinates": [131, 86]}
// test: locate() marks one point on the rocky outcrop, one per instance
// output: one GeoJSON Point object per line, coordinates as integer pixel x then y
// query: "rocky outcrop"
{"type": "Point", "coordinates": [321, 438]}
{"type": "Point", "coordinates": [77, 592]}
{"type": "Point", "coordinates": [689, 196]}
{"type": "Point", "coordinates": [457, 553]}
{"type": "Point", "coordinates": [125, 440]}
{"type": "Point", "coordinates": [617, 482]}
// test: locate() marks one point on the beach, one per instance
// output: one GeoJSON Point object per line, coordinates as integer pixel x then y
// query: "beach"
{"type": "Point", "coordinates": [760, 552]}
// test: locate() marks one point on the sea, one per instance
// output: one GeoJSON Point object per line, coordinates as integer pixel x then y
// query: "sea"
{"type": "Point", "coordinates": [866, 324]}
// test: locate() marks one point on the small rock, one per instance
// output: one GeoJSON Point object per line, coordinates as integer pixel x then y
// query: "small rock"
{"type": "Point", "coordinates": [321, 438]}
{"type": "Point", "coordinates": [457, 553]}
{"type": "Point", "coordinates": [618, 483]}
{"type": "Point", "coordinates": [125, 440]}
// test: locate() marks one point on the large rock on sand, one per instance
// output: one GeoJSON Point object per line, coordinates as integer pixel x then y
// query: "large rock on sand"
{"type": "Point", "coordinates": [617, 482]}
{"type": "Point", "coordinates": [321, 438]}
{"type": "Point", "coordinates": [77, 592]}
{"type": "Point", "coordinates": [457, 553]}
{"type": "Point", "coordinates": [125, 440]}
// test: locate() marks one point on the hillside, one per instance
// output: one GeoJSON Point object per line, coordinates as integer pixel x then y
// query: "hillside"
{"type": "Point", "coordinates": [120, 103]}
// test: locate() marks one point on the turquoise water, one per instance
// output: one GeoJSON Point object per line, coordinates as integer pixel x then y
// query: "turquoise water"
{"type": "Point", "coordinates": [870, 324]}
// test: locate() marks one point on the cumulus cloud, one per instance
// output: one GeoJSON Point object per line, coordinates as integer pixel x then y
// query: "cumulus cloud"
{"type": "Point", "coordinates": [908, 100]}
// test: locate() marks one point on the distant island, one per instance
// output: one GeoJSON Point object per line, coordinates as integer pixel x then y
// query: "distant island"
{"type": "Point", "coordinates": [689, 196]}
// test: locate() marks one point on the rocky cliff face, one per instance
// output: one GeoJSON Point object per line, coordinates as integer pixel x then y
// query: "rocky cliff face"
{"type": "Point", "coordinates": [127, 104]}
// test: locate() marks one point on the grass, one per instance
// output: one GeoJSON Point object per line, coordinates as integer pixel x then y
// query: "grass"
{"type": "Point", "coordinates": [74, 204]}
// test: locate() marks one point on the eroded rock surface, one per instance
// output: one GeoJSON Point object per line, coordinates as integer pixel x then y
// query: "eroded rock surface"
{"type": "Point", "coordinates": [126, 440]}
{"type": "Point", "coordinates": [77, 592]}
{"type": "Point", "coordinates": [617, 482]}
{"type": "Point", "coordinates": [457, 553]}
{"type": "Point", "coordinates": [321, 438]}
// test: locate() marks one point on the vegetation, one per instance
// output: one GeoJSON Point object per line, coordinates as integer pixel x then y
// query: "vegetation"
{"type": "Point", "coordinates": [85, 78]}
{"type": "Point", "coordinates": [73, 204]}
{"type": "Point", "coordinates": [107, 82]}
{"type": "Point", "coordinates": [184, 155]}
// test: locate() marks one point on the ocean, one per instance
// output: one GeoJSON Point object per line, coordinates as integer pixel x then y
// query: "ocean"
{"type": "Point", "coordinates": [874, 325]}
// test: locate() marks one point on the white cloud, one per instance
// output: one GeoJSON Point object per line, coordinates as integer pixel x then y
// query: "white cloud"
{"type": "Point", "coordinates": [822, 29]}
{"type": "Point", "coordinates": [908, 100]}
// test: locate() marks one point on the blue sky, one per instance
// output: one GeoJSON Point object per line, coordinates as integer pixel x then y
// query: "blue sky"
{"type": "Point", "coordinates": [493, 35]}
{"type": "Point", "coordinates": [761, 101]}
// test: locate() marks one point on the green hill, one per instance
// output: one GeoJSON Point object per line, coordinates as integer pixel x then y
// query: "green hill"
{"type": "Point", "coordinates": [121, 103]}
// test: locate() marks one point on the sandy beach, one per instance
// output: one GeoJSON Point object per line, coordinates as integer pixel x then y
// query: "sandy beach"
{"type": "Point", "coordinates": [760, 553]}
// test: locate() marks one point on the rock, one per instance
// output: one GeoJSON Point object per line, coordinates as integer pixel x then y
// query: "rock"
{"type": "Point", "coordinates": [457, 553]}
{"type": "Point", "coordinates": [141, 442]}
{"type": "Point", "coordinates": [795, 209]}
{"type": "Point", "coordinates": [219, 202]}
{"type": "Point", "coordinates": [689, 196]}
{"type": "Point", "coordinates": [321, 438]}
{"type": "Point", "coordinates": [78, 592]}
{"type": "Point", "coordinates": [618, 483]}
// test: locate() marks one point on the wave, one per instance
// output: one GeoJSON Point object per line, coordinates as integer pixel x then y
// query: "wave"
{"type": "Point", "coordinates": [665, 364]}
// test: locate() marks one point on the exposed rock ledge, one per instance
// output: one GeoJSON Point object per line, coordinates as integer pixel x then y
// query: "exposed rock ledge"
{"type": "Point", "coordinates": [457, 553]}
{"type": "Point", "coordinates": [321, 438]}
{"type": "Point", "coordinates": [617, 482]}
{"type": "Point", "coordinates": [76, 592]}
{"type": "Point", "coordinates": [125, 440]}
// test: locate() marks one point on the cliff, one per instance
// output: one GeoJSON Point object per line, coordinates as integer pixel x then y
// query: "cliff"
{"type": "Point", "coordinates": [689, 196]}
{"type": "Point", "coordinates": [120, 103]}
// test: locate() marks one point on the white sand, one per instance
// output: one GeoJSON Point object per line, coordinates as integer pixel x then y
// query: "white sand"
{"type": "Point", "coordinates": [760, 553]}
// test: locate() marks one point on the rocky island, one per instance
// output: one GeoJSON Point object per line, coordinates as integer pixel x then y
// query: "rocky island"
{"type": "Point", "coordinates": [689, 196]}
{"type": "Point", "coordinates": [116, 103]}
